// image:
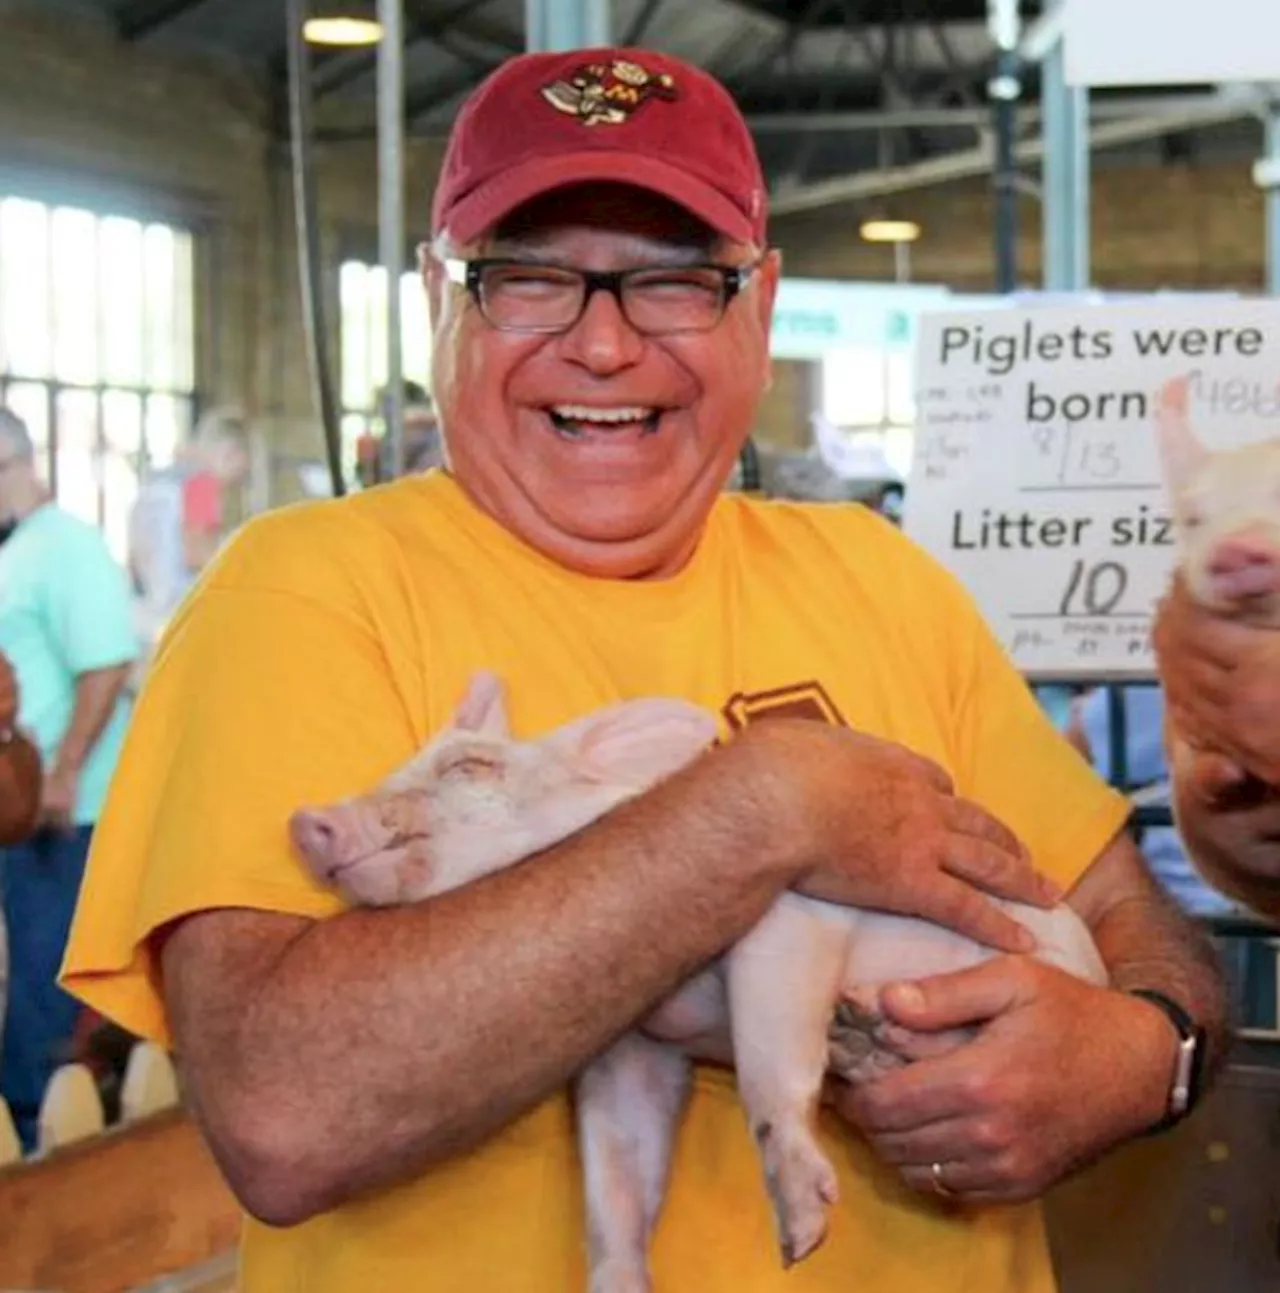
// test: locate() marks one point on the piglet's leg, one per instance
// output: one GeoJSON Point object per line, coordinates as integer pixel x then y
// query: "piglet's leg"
{"type": "Point", "coordinates": [784, 978]}
{"type": "Point", "coordinates": [629, 1102]}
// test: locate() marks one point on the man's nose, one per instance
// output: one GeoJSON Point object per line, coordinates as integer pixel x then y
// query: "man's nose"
{"type": "Point", "coordinates": [602, 340]}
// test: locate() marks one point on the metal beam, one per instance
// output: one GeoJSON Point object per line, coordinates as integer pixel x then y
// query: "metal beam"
{"type": "Point", "coordinates": [341, 69]}
{"type": "Point", "coordinates": [1004, 88]}
{"type": "Point", "coordinates": [391, 211]}
{"type": "Point", "coordinates": [430, 97]}
{"type": "Point", "coordinates": [307, 233]}
{"type": "Point", "coordinates": [1267, 176]}
{"type": "Point", "coordinates": [565, 24]}
{"type": "Point", "coordinates": [1067, 190]}
{"type": "Point", "coordinates": [782, 46]}
{"type": "Point", "coordinates": [845, 121]}
{"type": "Point", "coordinates": [146, 16]}
{"type": "Point", "coordinates": [979, 161]}
{"type": "Point", "coordinates": [1042, 34]}
{"type": "Point", "coordinates": [640, 23]}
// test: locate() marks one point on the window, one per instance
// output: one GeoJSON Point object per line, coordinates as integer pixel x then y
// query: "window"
{"type": "Point", "coordinates": [867, 392]}
{"type": "Point", "coordinates": [96, 350]}
{"type": "Point", "coordinates": [362, 294]}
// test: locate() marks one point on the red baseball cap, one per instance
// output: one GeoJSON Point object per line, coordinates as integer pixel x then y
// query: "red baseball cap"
{"type": "Point", "coordinates": [546, 120]}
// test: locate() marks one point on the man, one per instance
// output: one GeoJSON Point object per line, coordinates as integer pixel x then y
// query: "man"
{"type": "Point", "coordinates": [66, 626]}
{"type": "Point", "coordinates": [1222, 683]}
{"type": "Point", "coordinates": [386, 1089]}
{"type": "Point", "coordinates": [176, 523]}
{"type": "Point", "coordinates": [19, 794]}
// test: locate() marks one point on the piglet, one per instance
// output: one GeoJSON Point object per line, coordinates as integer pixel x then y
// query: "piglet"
{"type": "Point", "coordinates": [1226, 509]}
{"type": "Point", "coordinates": [798, 995]}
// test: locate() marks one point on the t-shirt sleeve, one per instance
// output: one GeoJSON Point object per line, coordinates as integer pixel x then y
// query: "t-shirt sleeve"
{"type": "Point", "coordinates": [1004, 751]}
{"type": "Point", "coordinates": [90, 606]}
{"type": "Point", "coordinates": [1011, 759]}
{"type": "Point", "coordinates": [291, 677]}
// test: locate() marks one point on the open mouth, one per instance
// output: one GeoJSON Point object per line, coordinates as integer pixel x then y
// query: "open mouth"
{"type": "Point", "coordinates": [582, 422]}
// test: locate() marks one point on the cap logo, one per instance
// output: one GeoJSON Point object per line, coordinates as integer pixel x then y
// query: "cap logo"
{"type": "Point", "coordinates": [607, 94]}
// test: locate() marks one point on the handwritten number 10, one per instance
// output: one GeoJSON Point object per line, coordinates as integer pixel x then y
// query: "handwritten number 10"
{"type": "Point", "coordinates": [1094, 591]}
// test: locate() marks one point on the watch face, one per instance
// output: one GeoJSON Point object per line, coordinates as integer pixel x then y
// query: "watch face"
{"type": "Point", "coordinates": [1184, 1077]}
{"type": "Point", "coordinates": [1188, 1075]}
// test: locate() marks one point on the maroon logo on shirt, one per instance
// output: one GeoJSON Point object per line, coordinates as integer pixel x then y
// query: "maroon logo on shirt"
{"type": "Point", "coordinates": [797, 700]}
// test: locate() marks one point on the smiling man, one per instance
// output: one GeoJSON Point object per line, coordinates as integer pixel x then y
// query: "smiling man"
{"type": "Point", "coordinates": [386, 1089]}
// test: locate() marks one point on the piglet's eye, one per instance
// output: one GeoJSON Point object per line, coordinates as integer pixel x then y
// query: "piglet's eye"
{"type": "Point", "coordinates": [470, 767]}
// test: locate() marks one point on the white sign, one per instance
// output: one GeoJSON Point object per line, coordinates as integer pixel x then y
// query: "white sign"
{"type": "Point", "coordinates": [1169, 42]}
{"type": "Point", "coordinates": [1035, 476]}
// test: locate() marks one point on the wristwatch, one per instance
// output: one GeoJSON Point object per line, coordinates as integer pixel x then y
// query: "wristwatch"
{"type": "Point", "coordinates": [1188, 1072]}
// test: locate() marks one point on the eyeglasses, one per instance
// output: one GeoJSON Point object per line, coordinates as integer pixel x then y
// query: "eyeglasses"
{"type": "Point", "coordinates": [524, 296]}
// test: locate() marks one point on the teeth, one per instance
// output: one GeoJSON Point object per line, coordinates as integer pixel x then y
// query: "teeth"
{"type": "Point", "coordinates": [584, 413]}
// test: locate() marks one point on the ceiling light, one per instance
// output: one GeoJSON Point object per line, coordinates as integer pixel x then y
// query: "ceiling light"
{"type": "Point", "coordinates": [341, 30]}
{"type": "Point", "coordinates": [889, 230]}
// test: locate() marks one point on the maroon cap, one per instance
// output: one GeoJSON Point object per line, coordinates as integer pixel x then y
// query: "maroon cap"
{"type": "Point", "coordinates": [542, 121]}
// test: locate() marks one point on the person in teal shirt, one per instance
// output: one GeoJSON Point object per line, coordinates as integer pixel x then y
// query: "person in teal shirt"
{"type": "Point", "coordinates": [66, 625]}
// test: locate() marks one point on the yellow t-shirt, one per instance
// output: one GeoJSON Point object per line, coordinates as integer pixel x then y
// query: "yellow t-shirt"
{"type": "Point", "coordinates": [330, 640]}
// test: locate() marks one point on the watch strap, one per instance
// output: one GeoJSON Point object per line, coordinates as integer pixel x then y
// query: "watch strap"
{"type": "Point", "coordinates": [1188, 1076]}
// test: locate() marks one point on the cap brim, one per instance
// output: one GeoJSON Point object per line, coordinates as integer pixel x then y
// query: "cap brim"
{"type": "Point", "coordinates": [486, 205]}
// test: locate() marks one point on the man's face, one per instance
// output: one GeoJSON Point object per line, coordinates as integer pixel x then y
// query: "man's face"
{"type": "Point", "coordinates": [230, 462]}
{"type": "Point", "coordinates": [622, 501]}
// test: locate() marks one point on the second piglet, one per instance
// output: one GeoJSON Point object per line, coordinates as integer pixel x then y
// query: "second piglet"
{"type": "Point", "coordinates": [476, 800]}
{"type": "Point", "coordinates": [1226, 508]}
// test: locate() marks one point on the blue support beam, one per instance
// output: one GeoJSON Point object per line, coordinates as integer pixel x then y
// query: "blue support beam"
{"type": "Point", "coordinates": [565, 24]}
{"type": "Point", "coordinates": [1271, 188]}
{"type": "Point", "coordinates": [1066, 177]}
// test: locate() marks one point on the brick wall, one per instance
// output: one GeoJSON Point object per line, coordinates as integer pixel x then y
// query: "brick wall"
{"type": "Point", "coordinates": [1180, 226]}
{"type": "Point", "coordinates": [86, 116]}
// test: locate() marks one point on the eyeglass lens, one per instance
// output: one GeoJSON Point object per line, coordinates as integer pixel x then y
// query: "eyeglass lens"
{"type": "Point", "coordinates": [653, 300]}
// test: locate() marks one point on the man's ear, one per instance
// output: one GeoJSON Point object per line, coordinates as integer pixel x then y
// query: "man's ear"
{"type": "Point", "coordinates": [434, 283]}
{"type": "Point", "coordinates": [770, 272]}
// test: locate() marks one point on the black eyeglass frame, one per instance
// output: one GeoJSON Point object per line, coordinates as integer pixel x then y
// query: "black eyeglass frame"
{"type": "Point", "coordinates": [470, 273]}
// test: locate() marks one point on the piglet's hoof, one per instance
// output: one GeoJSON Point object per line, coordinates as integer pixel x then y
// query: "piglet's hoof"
{"type": "Point", "coordinates": [859, 1040]}
{"type": "Point", "coordinates": [801, 1184]}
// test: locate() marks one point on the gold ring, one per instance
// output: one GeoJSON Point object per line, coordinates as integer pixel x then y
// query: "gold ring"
{"type": "Point", "coordinates": [939, 1185]}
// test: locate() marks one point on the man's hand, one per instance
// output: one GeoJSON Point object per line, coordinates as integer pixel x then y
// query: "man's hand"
{"type": "Point", "coordinates": [58, 798]}
{"type": "Point", "coordinates": [882, 827]}
{"type": "Point", "coordinates": [1230, 822]}
{"type": "Point", "coordinates": [1222, 682]}
{"type": "Point", "coordinates": [1059, 1071]}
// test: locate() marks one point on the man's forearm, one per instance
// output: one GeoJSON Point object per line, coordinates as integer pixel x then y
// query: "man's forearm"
{"type": "Point", "coordinates": [380, 1041]}
{"type": "Point", "coordinates": [96, 694]}
{"type": "Point", "coordinates": [1147, 942]}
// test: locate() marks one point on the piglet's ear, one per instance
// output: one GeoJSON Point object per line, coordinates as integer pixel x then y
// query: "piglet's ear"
{"type": "Point", "coordinates": [1181, 454]}
{"type": "Point", "coordinates": [483, 709]}
{"type": "Point", "coordinates": [636, 743]}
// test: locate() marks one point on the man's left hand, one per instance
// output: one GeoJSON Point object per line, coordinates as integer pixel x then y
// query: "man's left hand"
{"type": "Point", "coordinates": [1059, 1071]}
{"type": "Point", "coordinates": [58, 798]}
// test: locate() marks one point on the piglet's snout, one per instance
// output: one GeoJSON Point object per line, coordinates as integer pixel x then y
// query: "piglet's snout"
{"type": "Point", "coordinates": [317, 837]}
{"type": "Point", "coordinates": [1245, 565]}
